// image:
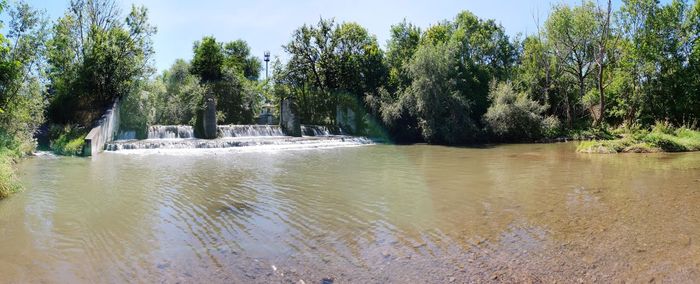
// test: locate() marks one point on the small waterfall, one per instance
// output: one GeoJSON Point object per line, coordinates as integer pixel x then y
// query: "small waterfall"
{"type": "Point", "coordinates": [126, 135]}
{"type": "Point", "coordinates": [283, 142]}
{"type": "Point", "coordinates": [232, 136]}
{"type": "Point", "coordinates": [170, 131]}
{"type": "Point", "coordinates": [228, 131]}
{"type": "Point", "coordinates": [318, 130]}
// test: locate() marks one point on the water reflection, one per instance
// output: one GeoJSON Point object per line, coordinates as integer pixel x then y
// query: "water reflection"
{"type": "Point", "coordinates": [367, 214]}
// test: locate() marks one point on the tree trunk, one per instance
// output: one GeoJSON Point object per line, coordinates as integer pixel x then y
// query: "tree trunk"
{"type": "Point", "coordinates": [568, 111]}
{"type": "Point", "coordinates": [602, 52]}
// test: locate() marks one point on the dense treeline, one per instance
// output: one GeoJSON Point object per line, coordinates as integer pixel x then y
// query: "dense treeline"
{"type": "Point", "coordinates": [461, 80]}
{"type": "Point", "coordinates": [22, 95]}
{"type": "Point", "coordinates": [225, 72]}
{"type": "Point", "coordinates": [464, 80]}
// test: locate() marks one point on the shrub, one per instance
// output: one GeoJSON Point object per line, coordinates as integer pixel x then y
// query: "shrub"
{"type": "Point", "coordinates": [551, 127]}
{"type": "Point", "coordinates": [643, 141]}
{"type": "Point", "coordinates": [663, 127]}
{"type": "Point", "coordinates": [8, 181]}
{"type": "Point", "coordinates": [10, 149]}
{"type": "Point", "coordinates": [664, 141]}
{"type": "Point", "coordinates": [69, 142]}
{"type": "Point", "coordinates": [514, 116]}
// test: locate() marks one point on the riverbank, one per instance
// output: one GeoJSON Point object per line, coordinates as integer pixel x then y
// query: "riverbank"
{"type": "Point", "coordinates": [8, 181]}
{"type": "Point", "coordinates": [12, 148]}
{"type": "Point", "coordinates": [660, 139]}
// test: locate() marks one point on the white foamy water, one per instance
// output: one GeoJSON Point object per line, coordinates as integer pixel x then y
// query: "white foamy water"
{"type": "Point", "coordinates": [180, 138]}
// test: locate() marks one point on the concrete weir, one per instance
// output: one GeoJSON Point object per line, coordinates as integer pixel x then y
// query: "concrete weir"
{"type": "Point", "coordinates": [289, 134]}
{"type": "Point", "coordinates": [103, 133]}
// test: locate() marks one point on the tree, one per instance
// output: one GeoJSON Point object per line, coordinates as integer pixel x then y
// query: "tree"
{"type": "Point", "coordinates": [95, 57]}
{"type": "Point", "coordinates": [228, 73]}
{"type": "Point", "coordinates": [179, 97]}
{"type": "Point", "coordinates": [395, 110]}
{"type": "Point", "coordinates": [208, 61]}
{"type": "Point", "coordinates": [238, 57]}
{"type": "Point", "coordinates": [571, 34]}
{"type": "Point", "coordinates": [333, 65]}
{"type": "Point", "coordinates": [21, 83]}
{"type": "Point", "coordinates": [514, 116]}
{"type": "Point", "coordinates": [443, 112]}
{"type": "Point", "coordinates": [602, 58]}
{"type": "Point", "coordinates": [401, 46]}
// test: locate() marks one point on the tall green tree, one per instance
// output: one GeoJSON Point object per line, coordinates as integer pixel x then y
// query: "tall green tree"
{"type": "Point", "coordinates": [403, 43]}
{"type": "Point", "coordinates": [443, 111]}
{"type": "Point", "coordinates": [22, 55]}
{"type": "Point", "coordinates": [96, 57]}
{"type": "Point", "coordinates": [228, 74]}
{"type": "Point", "coordinates": [208, 61]}
{"type": "Point", "coordinates": [571, 32]}
{"type": "Point", "coordinates": [238, 57]}
{"type": "Point", "coordinates": [332, 65]}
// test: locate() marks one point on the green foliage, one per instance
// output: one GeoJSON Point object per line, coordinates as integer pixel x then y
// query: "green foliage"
{"type": "Point", "coordinates": [443, 112]}
{"type": "Point", "coordinates": [328, 61]}
{"type": "Point", "coordinates": [208, 60]}
{"type": "Point", "coordinates": [96, 57]}
{"type": "Point", "coordinates": [226, 73]}
{"type": "Point", "coordinates": [238, 58]}
{"type": "Point", "coordinates": [405, 38]}
{"type": "Point", "coordinates": [551, 127]}
{"type": "Point", "coordinates": [223, 72]}
{"type": "Point", "coordinates": [178, 95]}
{"type": "Point", "coordinates": [514, 116]}
{"type": "Point", "coordinates": [137, 110]}
{"type": "Point", "coordinates": [69, 140]}
{"type": "Point", "coordinates": [662, 137]}
{"type": "Point", "coordinates": [237, 98]}
{"type": "Point", "coordinates": [8, 180]}
{"type": "Point", "coordinates": [442, 92]}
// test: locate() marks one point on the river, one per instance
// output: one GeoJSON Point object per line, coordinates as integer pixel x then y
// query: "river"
{"type": "Point", "coordinates": [368, 214]}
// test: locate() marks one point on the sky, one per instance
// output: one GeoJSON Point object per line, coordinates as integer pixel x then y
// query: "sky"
{"type": "Point", "coordinates": [268, 24]}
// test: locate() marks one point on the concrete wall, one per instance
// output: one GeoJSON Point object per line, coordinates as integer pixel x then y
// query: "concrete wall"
{"type": "Point", "coordinates": [346, 119]}
{"type": "Point", "coordinates": [210, 131]}
{"type": "Point", "coordinates": [289, 120]}
{"type": "Point", "coordinates": [103, 133]}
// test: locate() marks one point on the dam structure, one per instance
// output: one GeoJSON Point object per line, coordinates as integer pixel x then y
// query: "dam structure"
{"type": "Point", "coordinates": [164, 137]}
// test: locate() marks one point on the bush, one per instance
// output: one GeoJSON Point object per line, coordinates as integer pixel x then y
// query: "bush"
{"type": "Point", "coordinates": [8, 181]}
{"type": "Point", "coordinates": [643, 141]}
{"type": "Point", "coordinates": [664, 141]}
{"type": "Point", "coordinates": [69, 142]}
{"type": "Point", "coordinates": [551, 127]}
{"type": "Point", "coordinates": [514, 116]}
{"type": "Point", "coordinates": [9, 152]}
{"type": "Point", "coordinates": [663, 127]}
{"type": "Point", "coordinates": [443, 110]}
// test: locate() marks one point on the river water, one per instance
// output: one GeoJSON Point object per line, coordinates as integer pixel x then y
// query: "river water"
{"type": "Point", "coordinates": [369, 214]}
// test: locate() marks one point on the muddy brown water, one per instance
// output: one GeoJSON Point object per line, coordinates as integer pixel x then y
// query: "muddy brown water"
{"type": "Point", "coordinates": [370, 214]}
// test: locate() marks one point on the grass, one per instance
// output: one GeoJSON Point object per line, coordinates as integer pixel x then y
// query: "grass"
{"type": "Point", "coordinates": [661, 138]}
{"type": "Point", "coordinates": [11, 149]}
{"type": "Point", "coordinates": [8, 180]}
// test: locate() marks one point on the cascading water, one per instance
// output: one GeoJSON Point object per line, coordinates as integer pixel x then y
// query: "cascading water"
{"type": "Point", "coordinates": [126, 135]}
{"type": "Point", "coordinates": [231, 136]}
{"type": "Point", "coordinates": [170, 132]}
{"type": "Point", "coordinates": [317, 130]}
{"type": "Point", "coordinates": [228, 131]}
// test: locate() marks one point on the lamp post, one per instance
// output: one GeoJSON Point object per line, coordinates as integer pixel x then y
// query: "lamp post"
{"type": "Point", "coordinates": [266, 57]}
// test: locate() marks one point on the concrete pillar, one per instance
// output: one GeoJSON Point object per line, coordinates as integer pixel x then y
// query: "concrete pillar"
{"type": "Point", "coordinates": [209, 119]}
{"type": "Point", "coordinates": [289, 120]}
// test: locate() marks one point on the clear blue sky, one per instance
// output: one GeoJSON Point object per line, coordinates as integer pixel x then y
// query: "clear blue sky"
{"type": "Point", "coordinates": [268, 24]}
